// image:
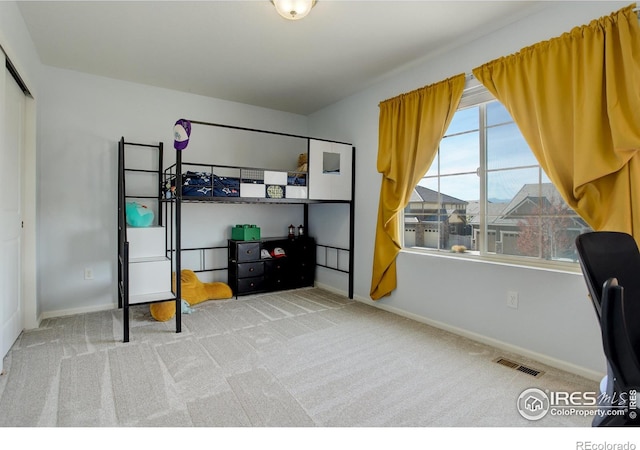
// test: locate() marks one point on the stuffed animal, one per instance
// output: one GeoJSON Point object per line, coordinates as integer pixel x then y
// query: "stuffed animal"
{"type": "Point", "coordinates": [138, 215]}
{"type": "Point", "coordinates": [302, 163]}
{"type": "Point", "coordinates": [193, 292]}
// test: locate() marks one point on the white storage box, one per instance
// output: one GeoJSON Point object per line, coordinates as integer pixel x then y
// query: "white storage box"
{"type": "Point", "coordinates": [271, 177]}
{"type": "Point", "coordinates": [296, 192]}
{"type": "Point", "coordinates": [146, 241]}
{"type": "Point", "coordinates": [252, 190]}
{"type": "Point", "coordinates": [149, 275]}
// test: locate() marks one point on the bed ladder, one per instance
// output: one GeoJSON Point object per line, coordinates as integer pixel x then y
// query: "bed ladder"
{"type": "Point", "coordinates": [144, 262]}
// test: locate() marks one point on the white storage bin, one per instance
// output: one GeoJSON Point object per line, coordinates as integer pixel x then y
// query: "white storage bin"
{"type": "Point", "coordinates": [271, 177]}
{"type": "Point", "coordinates": [146, 241]}
{"type": "Point", "coordinates": [252, 190]}
{"type": "Point", "coordinates": [149, 275]}
{"type": "Point", "coordinates": [296, 192]}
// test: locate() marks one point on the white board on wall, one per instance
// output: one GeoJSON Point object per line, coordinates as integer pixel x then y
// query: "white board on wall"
{"type": "Point", "coordinates": [330, 170]}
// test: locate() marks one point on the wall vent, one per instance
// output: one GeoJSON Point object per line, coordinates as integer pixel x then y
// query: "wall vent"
{"type": "Point", "coordinates": [519, 367]}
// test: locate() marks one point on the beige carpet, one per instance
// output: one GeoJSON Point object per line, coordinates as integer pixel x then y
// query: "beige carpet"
{"type": "Point", "coordinates": [303, 358]}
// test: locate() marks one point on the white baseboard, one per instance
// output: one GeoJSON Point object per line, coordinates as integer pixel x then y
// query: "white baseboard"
{"type": "Point", "coordinates": [544, 359]}
{"type": "Point", "coordinates": [74, 311]}
{"type": "Point", "coordinates": [333, 289]}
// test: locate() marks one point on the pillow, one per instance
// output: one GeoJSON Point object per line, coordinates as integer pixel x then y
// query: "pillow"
{"type": "Point", "coordinates": [138, 215]}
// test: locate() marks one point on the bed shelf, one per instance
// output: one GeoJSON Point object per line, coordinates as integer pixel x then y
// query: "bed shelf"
{"type": "Point", "coordinates": [255, 200]}
{"type": "Point", "coordinates": [153, 297]}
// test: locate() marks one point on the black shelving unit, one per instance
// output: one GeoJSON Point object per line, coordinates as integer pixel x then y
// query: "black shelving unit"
{"type": "Point", "coordinates": [123, 259]}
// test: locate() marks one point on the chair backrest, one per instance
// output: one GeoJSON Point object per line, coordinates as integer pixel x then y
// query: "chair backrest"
{"type": "Point", "coordinates": [615, 339]}
{"type": "Point", "coordinates": [610, 262]}
{"type": "Point", "coordinates": [617, 329]}
{"type": "Point", "coordinates": [609, 254]}
{"type": "Point", "coordinates": [631, 319]}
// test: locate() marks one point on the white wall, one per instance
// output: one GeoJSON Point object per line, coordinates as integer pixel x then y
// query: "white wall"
{"type": "Point", "coordinates": [81, 118]}
{"type": "Point", "coordinates": [18, 46]}
{"type": "Point", "coordinates": [555, 322]}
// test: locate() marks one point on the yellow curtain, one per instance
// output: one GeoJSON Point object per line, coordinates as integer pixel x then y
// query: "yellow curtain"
{"type": "Point", "coordinates": [410, 129]}
{"type": "Point", "coordinates": [576, 100]}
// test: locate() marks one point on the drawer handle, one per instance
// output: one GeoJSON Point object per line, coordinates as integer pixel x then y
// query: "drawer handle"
{"type": "Point", "coordinates": [251, 284]}
{"type": "Point", "coordinates": [249, 252]}
{"type": "Point", "coordinates": [251, 269]}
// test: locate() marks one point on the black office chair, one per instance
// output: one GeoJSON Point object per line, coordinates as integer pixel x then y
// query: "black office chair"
{"type": "Point", "coordinates": [610, 262]}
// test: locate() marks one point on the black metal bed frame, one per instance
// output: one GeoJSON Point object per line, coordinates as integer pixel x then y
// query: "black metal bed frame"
{"type": "Point", "coordinates": [174, 214]}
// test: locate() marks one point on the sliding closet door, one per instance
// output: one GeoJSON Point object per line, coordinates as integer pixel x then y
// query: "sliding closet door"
{"type": "Point", "coordinates": [11, 144]}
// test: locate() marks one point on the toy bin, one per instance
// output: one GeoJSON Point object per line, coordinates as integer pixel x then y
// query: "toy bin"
{"type": "Point", "coordinates": [245, 233]}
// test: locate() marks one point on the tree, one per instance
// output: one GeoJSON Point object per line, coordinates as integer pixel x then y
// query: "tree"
{"type": "Point", "coordinates": [545, 232]}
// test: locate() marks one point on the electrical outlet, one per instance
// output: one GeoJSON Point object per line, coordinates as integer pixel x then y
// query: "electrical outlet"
{"type": "Point", "coordinates": [512, 299]}
{"type": "Point", "coordinates": [88, 273]}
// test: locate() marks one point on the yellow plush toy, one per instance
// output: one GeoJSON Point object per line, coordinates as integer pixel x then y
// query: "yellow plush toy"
{"type": "Point", "coordinates": [193, 292]}
{"type": "Point", "coordinates": [302, 162]}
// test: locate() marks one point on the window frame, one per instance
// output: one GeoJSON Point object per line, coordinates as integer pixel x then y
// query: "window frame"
{"type": "Point", "coordinates": [476, 95]}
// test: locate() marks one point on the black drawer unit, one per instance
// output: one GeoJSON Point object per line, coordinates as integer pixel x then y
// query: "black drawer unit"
{"type": "Point", "coordinates": [249, 272]}
{"type": "Point", "coordinates": [246, 251]}
{"type": "Point", "coordinates": [251, 269]}
{"type": "Point", "coordinates": [277, 273]}
{"type": "Point", "coordinates": [249, 285]}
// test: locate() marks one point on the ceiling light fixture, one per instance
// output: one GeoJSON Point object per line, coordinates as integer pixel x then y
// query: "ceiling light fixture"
{"type": "Point", "coordinates": [293, 9]}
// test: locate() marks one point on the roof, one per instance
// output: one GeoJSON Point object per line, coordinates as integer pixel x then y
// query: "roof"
{"type": "Point", "coordinates": [426, 195]}
{"type": "Point", "coordinates": [506, 213]}
{"type": "Point", "coordinates": [534, 193]}
{"type": "Point", "coordinates": [494, 211]}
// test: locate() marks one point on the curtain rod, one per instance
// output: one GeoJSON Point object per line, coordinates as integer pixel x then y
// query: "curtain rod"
{"type": "Point", "coordinates": [469, 76]}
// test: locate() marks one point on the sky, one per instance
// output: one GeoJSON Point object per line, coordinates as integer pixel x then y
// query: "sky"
{"type": "Point", "coordinates": [509, 158]}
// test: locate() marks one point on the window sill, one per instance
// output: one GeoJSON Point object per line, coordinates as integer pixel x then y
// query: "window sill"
{"type": "Point", "coordinates": [475, 257]}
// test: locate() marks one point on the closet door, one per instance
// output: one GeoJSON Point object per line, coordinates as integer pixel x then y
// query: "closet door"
{"type": "Point", "coordinates": [12, 108]}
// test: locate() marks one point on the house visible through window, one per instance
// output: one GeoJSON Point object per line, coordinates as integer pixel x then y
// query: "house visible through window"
{"type": "Point", "coordinates": [486, 193]}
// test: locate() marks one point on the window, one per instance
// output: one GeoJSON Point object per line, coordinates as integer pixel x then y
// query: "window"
{"type": "Point", "coordinates": [486, 192]}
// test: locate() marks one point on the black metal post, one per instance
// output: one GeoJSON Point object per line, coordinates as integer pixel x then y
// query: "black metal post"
{"type": "Point", "coordinates": [120, 218]}
{"type": "Point", "coordinates": [352, 216]}
{"type": "Point", "coordinates": [160, 162]}
{"type": "Point", "coordinates": [125, 290]}
{"type": "Point", "coordinates": [178, 254]}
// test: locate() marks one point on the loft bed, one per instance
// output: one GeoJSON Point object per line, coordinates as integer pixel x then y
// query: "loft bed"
{"type": "Point", "coordinates": [193, 182]}
{"type": "Point", "coordinates": [222, 183]}
{"type": "Point", "coordinates": [329, 175]}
